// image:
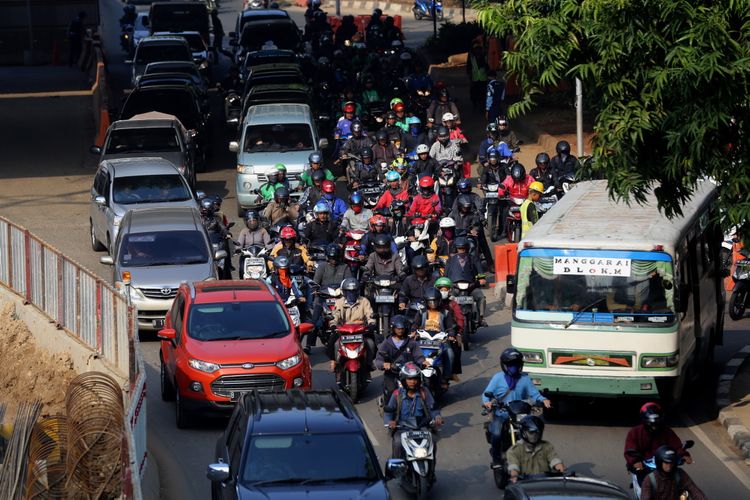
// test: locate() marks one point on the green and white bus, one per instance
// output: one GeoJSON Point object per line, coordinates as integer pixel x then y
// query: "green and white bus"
{"type": "Point", "coordinates": [615, 300]}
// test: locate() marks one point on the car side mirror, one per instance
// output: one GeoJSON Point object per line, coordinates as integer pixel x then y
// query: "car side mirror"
{"type": "Point", "coordinates": [200, 194]}
{"type": "Point", "coordinates": [167, 334]}
{"type": "Point", "coordinates": [234, 146]}
{"type": "Point", "coordinates": [510, 283]}
{"type": "Point", "coordinates": [96, 150]}
{"type": "Point", "coordinates": [100, 200]}
{"type": "Point", "coordinates": [305, 328]}
{"type": "Point", "coordinates": [107, 260]}
{"type": "Point", "coordinates": [220, 255]}
{"type": "Point", "coordinates": [394, 468]}
{"type": "Point", "coordinates": [218, 472]}
{"type": "Point", "coordinates": [323, 143]}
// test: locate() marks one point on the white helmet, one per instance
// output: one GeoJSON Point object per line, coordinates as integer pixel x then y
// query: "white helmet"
{"type": "Point", "coordinates": [447, 117]}
{"type": "Point", "coordinates": [447, 222]}
{"type": "Point", "coordinates": [423, 148]}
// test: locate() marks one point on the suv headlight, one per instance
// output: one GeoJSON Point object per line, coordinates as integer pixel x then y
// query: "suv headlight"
{"type": "Point", "coordinates": [116, 220]}
{"type": "Point", "coordinates": [287, 363]}
{"type": "Point", "coordinates": [203, 366]}
{"type": "Point", "coordinates": [244, 169]}
{"type": "Point", "coordinates": [667, 361]}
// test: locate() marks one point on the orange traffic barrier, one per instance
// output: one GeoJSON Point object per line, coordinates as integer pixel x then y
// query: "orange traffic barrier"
{"type": "Point", "coordinates": [103, 126]}
{"type": "Point", "coordinates": [506, 259]}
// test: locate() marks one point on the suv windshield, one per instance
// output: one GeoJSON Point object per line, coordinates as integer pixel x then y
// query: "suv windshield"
{"type": "Point", "coordinates": [143, 140]}
{"type": "Point", "coordinates": [237, 321]}
{"type": "Point", "coordinates": [297, 458]}
{"type": "Point", "coordinates": [149, 189]}
{"type": "Point", "coordinates": [594, 286]}
{"type": "Point", "coordinates": [277, 137]}
{"type": "Point", "coordinates": [163, 248]}
{"type": "Point", "coordinates": [162, 52]}
{"type": "Point", "coordinates": [176, 102]}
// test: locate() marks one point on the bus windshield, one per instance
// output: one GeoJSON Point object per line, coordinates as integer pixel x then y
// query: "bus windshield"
{"type": "Point", "coordinates": [587, 286]}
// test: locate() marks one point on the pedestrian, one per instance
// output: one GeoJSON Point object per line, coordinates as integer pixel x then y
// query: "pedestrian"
{"type": "Point", "coordinates": [477, 69]}
{"type": "Point", "coordinates": [495, 102]}
{"type": "Point", "coordinates": [75, 38]}
{"type": "Point", "coordinates": [218, 29]}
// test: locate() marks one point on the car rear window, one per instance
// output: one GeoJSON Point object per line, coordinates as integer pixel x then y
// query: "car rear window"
{"type": "Point", "coordinates": [149, 189]}
{"type": "Point", "coordinates": [278, 137]}
{"type": "Point", "coordinates": [195, 41]}
{"type": "Point", "coordinates": [283, 35]}
{"type": "Point", "coordinates": [297, 458]}
{"type": "Point", "coordinates": [143, 140]}
{"type": "Point", "coordinates": [238, 321]}
{"type": "Point", "coordinates": [162, 52]}
{"type": "Point", "coordinates": [176, 102]}
{"type": "Point", "coordinates": [163, 248]}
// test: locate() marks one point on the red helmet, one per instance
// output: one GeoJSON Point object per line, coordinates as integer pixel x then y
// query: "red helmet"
{"type": "Point", "coordinates": [328, 187]}
{"type": "Point", "coordinates": [288, 233]}
{"type": "Point", "coordinates": [349, 107]}
{"type": "Point", "coordinates": [376, 220]}
{"type": "Point", "coordinates": [399, 106]}
{"type": "Point", "coordinates": [426, 182]}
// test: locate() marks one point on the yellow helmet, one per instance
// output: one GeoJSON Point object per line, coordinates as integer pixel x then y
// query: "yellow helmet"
{"type": "Point", "coordinates": [537, 186]}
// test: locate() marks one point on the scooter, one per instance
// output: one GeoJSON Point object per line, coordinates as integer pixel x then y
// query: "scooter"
{"type": "Point", "coordinates": [384, 300]}
{"type": "Point", "coordinates": [516, 411]}
{"type": "Point", "coordinates": [233, 109]}
{"type": "Point", "coordinates": [513, 221]}
{"type": "Point", "coordinates": [446, 183]}
{"type": "Point", "coordinates": [351, 365]}
{"type": "Point", "coordinates": [329, 296]}
{"type": "Point", "coordinates": [423, 8]}
{"type": "Point", "coordinates": [221, 241]}
{"type": "Point", "coordinates": [352, 247]}
{"type": "Point", "coordinates": [371, 192]}
{"type": "Point", "coordinates": [492, 209]}
{"type": "Point", "coordinates": [649, 465]}
{"type": "Point", "coordinates": [253, 260]}
{"type": "Point", "coordinates": [419, 450]}
{"type": "Point", "coordinates": [291, 306]}
{"type": "Point", "coordinates": [738, 301]}
{"type": "Point", "coordinates": [466, 302]}
{"type": "Point", "coordinates": [433, 346]}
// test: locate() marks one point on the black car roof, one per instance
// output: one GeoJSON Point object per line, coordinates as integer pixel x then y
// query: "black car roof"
{"type": "Point", "coordinates": [564, 487]}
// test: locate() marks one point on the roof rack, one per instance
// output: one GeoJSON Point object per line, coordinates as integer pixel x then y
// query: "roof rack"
{"type": "Point", "coordinates": [297, 399]}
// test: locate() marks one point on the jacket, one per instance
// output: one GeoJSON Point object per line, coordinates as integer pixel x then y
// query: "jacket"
{"type": "Point", "coordinates": [350, 220]}
{"type": "Point", "coordinates": [537, 460]}
{"type": "Point", "coordinates": [413, 288]}
{"type": "Point", "coordinates": [387, 198]}
{"type": "Point", "coordinates": [297, 256]}
{"type": "Point", "coordinates": [318, 232]}
{"type": "Point", "coordinates": [562, 168]}
{"type": "Point", "coordinates": [670, 487]}
{"type": "Point", "coordinates": [355, 144]}
{"type": "Point", "coordinates": [337, 206]}
{"type": "Point", "coordinates": [258, 237]}
{"type": "Point", "coordinates": [360, 312]}
{"type": "Point", "coordinates": [428, 167]}
{"type": "Point", "coordinates": [417, 410]}
{"type": "Point", "coordinates": [509, 137]}
{"type": "Point", "coordinates": [451, 152]}
{"type": "Point", "coordinates": [343, 128]}
{"type": "Point", "coordinates": [390, 266]}
{"type": "Point", "coordinates": [389, 353]}
{"type": "Point", "coordinates": [306, 177]}
{"type": "Point", "coordinates": [425, 206]}
{"type": "Point", "coordinates": [384, 154]}
{"type": "Point", "coordinates": [412, 141]}
{"type": "Point", "coordinates": [364, 173]}
{"type": "Point", "coordinates": [524, 390]}
{"type": "Point", "coordinates": [328, 275]}
{"type": "Point", "coordinates": [646, 443]}
{"type": "Point", "coordinates": [546, 177]}
{"type": "Point", "coordinates": [515, 189]}
{"type": "Point", "coordinates": [367, 242]}
{"type": "Point", "coordinates": [283, 291]}
{"type": "Point", "coordinates": [462, 267]}
{"type": "Point", "coordinates": [441, 247]}
{"type": "Point", "coordinates": [437, 109]}
{"type": "Point", "coordinates": [475, 198]}
{"type": "Point", "coordinates": [275, 212]}
{"type": "Point", "coordinates": [465, 222]}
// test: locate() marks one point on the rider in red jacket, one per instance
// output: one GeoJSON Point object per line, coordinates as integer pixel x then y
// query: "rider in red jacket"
{"type": "Point", "coordinates": [427, 202]}
{"type": "Point", "coordinates": [516, 185]}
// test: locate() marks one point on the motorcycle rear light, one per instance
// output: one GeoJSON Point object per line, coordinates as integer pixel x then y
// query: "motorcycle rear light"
{"type": "Point", "coordinates": [658, 248]}
{"type": "Point", "coordinates": [528, 244]}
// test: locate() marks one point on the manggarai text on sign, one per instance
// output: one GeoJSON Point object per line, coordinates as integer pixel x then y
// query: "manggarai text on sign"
{"type": "Point", "coordinates": [591, 266]}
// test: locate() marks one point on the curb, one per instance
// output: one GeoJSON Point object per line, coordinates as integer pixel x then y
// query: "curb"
{"type": "Point", "coordinates": [738, 433]}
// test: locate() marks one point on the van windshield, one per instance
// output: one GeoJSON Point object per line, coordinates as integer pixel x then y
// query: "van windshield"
{"type": "Point", "coordinates": [587, 286]}
{"type": "Point", "coordinates": [278, 137]}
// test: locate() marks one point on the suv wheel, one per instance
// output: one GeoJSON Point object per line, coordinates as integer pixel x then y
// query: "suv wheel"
{"type": "Point", "coordinates": [182, 417]}
{"type": "Point", "coordinates": [96, 245]}
{"type": "Point", "coordinates": [167, 388]}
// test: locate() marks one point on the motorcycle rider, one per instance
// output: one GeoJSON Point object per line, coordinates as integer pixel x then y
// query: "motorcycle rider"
{"type": "Point", "coordinates": [449, 121]}
{"type": "Point", "coordinates": [646, 438]}
{"type": "Point", "coordinates": [469, 223]}
{"type": "Point", "coordinates": [542, 172]}
{"type": "Point", "coordinates": [413, 406]}
{"type": "Point", "coordinates": [397, 225]}
{"type": "Point", "coordinates": [352, 308]}
{"type": "Point", "coordinates": [315, 160]}
{"type": "Point", "coordinates": [444, 149]}
{"type": "Point", "coordinates": [426, 203]}
{"type": "Point", "coordinates": [269, 188]}
{"type": "Point", "coordinates": [465, 188]}
{"type": "Point", "coordinates": [397, 350]}
{"type": "Point", "coordinates": [668, 481]}
{"type": "Point", "coordinates": [484, 147]}
{"type": "Point", "coordinates": [280, 208]}
{"type": "Point", "coordinates": [346, 30]}
{"type": "Point", "coordinates": [414, 135]}
{"type": "Point", "coordinates": [383, 151]}
{"type": "Point", "coordinates": [529, 215]}
{"type": "Point", "coordinates": [384, 261]}
{"type": "Point", "coordinates": [211, 220]}
{"type": "Point", "coordinates": [465, 267]}
{"type": "Point", "coordinates": [281, 280]}
{"type": "Point", "coordinates": [394, 133]}
{"type": "Point", "coordinates": [378, 225]}
{"type": "Point", "coordinates": [510, 384]}
{"type": "Point", "coordinates": [494, 104]}
{"type": "Point", "coordinates": [516, 185]}
{"type": "Point", "coordinates": [444, 286]}
{"type": "Point", "coordinates": [532, 455]}
{"type": "Point", "coordinates": [330, 273]}
{"type": "Point", "coordinates": [443, 104]}
{"type": "Point", "coordinates": [443, 245]}
{"type": "Point", "coordinates": [438, 316]}
{"type": "Point", "coordinates": [364, 171]}
{"type": "Point", "coordinates": [369, 92]}
{"type": "Point", "coordinates": [425, 165]}
{"type": "Point", "coordinates": [505, 134]}
{"type": "Point", "coordinates": [323, 229]}
{"type": "Point", "coordinates": [344, 124]}
{"type": "Point", "coordinates": [563, 164]}
{"type": "Point", "coordinates": [252, 234]}
{"type": "Point", "coordinates": [357, 142]}
{"type": "Point", "coordinates": [399, 109]}
{"type": "Point", "coordinates": [337, 205]}
{"type": "Point", "coordinates": [395, 191]}
{"type": "Point", "coordinates": [356, 216]}
{"type": "Point", "coordinates": [288, 248]}
{"type": "Point", "coordinates": [414, 286]}
{"type": "Point", "coordinates": [419, 79]}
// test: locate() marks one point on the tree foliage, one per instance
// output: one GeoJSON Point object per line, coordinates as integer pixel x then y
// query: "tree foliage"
{"type": "Point", "coordinates": [670, 83]}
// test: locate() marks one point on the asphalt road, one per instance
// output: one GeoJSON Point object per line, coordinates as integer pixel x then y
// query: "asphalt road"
{"type": "Point", "coordinates": [46, 175]}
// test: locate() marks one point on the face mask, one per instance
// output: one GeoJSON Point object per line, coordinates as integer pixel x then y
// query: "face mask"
{"type": "Point", "coordinates": [351, 296]}
{"type": "Point", "coordinates": [448, 233]}
{"type": "Point", "coordinates": [514, 371]}
{"type": "Point", "coordinates": [283, 273]}
{"type": "Point", "coordinates": [444, 294]}
{"type": "Point", "coordinates": [356, 209]}
{"type": "Point", "coordinates": [328, 196]}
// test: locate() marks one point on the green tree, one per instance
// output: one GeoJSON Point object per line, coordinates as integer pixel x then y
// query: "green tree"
{"type": "Point", "coordinates": [668, 80]}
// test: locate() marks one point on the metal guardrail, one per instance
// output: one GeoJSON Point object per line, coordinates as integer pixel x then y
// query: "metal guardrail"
{"type": "Point", "coordinates": [89, 309]}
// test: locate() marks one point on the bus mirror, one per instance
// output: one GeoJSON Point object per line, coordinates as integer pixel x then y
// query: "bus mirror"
{"type": "Point", "coordinates": [510, 283]}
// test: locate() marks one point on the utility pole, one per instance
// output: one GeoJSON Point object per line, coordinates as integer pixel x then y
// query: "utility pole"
{"type": "Point", "coordinates": [433, 13]}
{"type": "Point", "coordinates": [463, 10]}
{"type": "Point", "coordinates": [579, 115]}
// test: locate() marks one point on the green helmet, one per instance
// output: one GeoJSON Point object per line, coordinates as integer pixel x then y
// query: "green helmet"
{"type": "Point", "coordinates": [443, 283]}
{"type": "Point", "coordinates": [395, 101]}
{"type": "Point", "coordinates": [280, 167]}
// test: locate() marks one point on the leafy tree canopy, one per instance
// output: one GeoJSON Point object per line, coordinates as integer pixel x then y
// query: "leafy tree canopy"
{"type": "Point", "coordinates": [668, 80]}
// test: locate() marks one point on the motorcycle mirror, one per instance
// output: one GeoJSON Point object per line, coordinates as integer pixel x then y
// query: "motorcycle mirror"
{"type": "Point", "coordinates": [489, 394]}
{"type": "Point", "coordinates": [510, 283]}
{"type": "Point", "coordinates": [688, 444]}
{"type": "Point", "coordinates": [220, 254]}
{"type": "Point", "coordinates": [230, 225]}
{"type": "Point", "coordinates": [395, 467]}
{"type": "Point", "coordinates": [96, 150]}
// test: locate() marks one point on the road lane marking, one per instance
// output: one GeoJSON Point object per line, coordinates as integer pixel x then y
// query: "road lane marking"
{"type": "Point", "coordinates": [370, 434]}
{"type": "Point", "coordinates": [730, 462]}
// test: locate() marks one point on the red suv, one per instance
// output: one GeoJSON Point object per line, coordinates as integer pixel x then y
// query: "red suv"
{"type": "Point", "coordinates": [224, 338]}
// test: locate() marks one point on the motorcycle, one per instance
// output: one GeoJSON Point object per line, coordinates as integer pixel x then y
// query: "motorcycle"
{"type": "Point", "coordinates": [446, 183]}
{"type": "Point", "coordinates": [547, 201]}
{"type": "Point", "coordinates": [371, 192]}
{"type": "Point", "coordinates": [233, 108]}
{"type": "Point", "coordinates": [511, 432]}
{"type": "Point", "coordinates": [468, 308]}
{"type": "Point", "coordinates": [291, 306]}
{"type": "Point", "coordinates": [351, 364]}
{"type": "Point", "coordinates": [384, 300]}
{"type": "Point", "coordinates": [513, 221]}
{"type": "Point", "coordinates": [649, 465]}
{"type": "Point", "coordinates": [492, 208]}
{"type": "Point", "coordinates": [329, 295]}
{"type": "Point", "coordinates": [433, 346]}
{"type": "Point", "coordinates": [423, 8]}
{"type": "Point", "coordinates": [352, 247]}
{"type": "Point", "coordinates": [418, 468]}
{"type": "Point", "coordinates": [220, 241]}
{"type": "Point", "coordinates": [126, 38]}
{"type": "Point", "coordinates": [253, 260]}
{"type": "Point", "coordinates": [738, 301]}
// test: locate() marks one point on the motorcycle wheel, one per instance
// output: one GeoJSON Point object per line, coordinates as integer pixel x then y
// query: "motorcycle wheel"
{"type": "Point", "coordinates": [516, 233]}
{"type": "Point", "coordinates": [501, 478]}
{"type": "Point", "coordinates": [352, 385]}
{"type": "Point", "coordinates": [737, 303]}
{"type": "Point", "coordinates": [422, 488]}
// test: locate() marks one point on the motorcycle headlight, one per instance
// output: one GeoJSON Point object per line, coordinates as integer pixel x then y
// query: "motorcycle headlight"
{"type": "Point", "coordinates": [203, 366]}
{"type": "Point", "coordinates": [420, 452]}
{"type": "Point", "coordinates": [204, 64]}
{"type": "Point", "coordinates": [462, 285]}
{"type": "Point", "coordinates": [287, 363]}
{"type": "Point", "coordinates": [384, 282]}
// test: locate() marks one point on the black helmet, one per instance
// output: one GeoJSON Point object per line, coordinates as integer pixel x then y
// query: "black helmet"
{"type": "Point", "coordinates": [532, 429]}
{"type": "Point", "coordinates": [251, 215]}
{"type": "Point", "coordinates": [381, 135]}
{"type": "Point", "coordinates": [366, 152]}
{"type": "Point", "coordinates": [318, 175]}
{"type": "Point", "coordinates": [464, 201]}
{"type": "Point", "coordinates": [419, 262]}
{"type": "Point", "coordinates": [443, 131]}
{"type": "Point", "coordinates": [444, 93]}
{"type": "Point", "coordinates": [281, 193]}
{"type": "Point", "coordinates": [350, 285]}
{"type": "Point", "coordinates": [207, 206]}
{"type": "Point", "coordinates": [391, 116]}
{"type": "Point", "coordinates": [382, 240]}
{"type": "Point", "coordinates": [462, 242]}
{"type": "Point", "coordinates": [511, 357]}
{"type": "Point", "coordinates": [432, 297]}
{"type": "Point", "coordinates": [652, 416]}
{"type": "Point", "coordinates": [398, 206]}
{"type": "Point", "coordinates": [517, 172]}
{"type": "Point", "coordinates": [542, 158]}
{"type": "Point", "coordinates": [410, 370]}
{"type": "Point", "coordinates": [217, 202]}
{"type": "Point", "coordinates": [399, 321]}
{"type": "Point", "coordinates": [356, 127]}
{"type": "Point", "coordinates": [281, 262]}
{"type": "Point", "coordinates": [665, 455]}
{"type": "Point", "coordinates": [333, 251]}
{"type": "Point", "coordinates": [563, 147]}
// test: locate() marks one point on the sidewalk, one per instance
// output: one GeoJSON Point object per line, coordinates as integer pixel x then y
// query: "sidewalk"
{"type": "Point", "coordinates": [733, 400]}
{"type": "Point", "coordinates": [34, 79]}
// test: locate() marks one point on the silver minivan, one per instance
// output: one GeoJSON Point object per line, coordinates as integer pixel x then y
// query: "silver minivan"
{"type": "Point", "coordinates": [271, 134]}
{"type": "Point", "coordinates": [126, 183]}
{"type": "Point", "coordinates": [156, 250]}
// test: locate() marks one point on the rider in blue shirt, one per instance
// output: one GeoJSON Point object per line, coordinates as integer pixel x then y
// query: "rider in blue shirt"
{"type": "Point", "coordinates": [511, 384]}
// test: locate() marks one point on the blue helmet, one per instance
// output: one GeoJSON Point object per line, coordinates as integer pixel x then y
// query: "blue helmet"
{"type": "Point", "coordinates": [413, 120]}
{"type": "Point", "coordinates": [464, 185]}
{"type": "Point", "coordinates": [492, 151]}
{"type": "Point", "coordinates": [504, 151]}
{"type": "Point", "coordinates": [355, 198]}
{"type": "Point", "coordinates": [321, 207]}
{"type": "Point", "coordinates": [314, 158]}
{"type": "Point", "coordinates": [392, 175]}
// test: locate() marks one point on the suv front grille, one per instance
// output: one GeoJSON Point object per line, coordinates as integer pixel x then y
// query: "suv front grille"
{"type": "Point", "coordinates": [290, 177]}
{"type": "Point", "coordinates": [158, 293]}
{"type": "Point", "coordinates": [224, 386]}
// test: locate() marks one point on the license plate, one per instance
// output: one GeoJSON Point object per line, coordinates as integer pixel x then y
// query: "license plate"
{"type": "Point", "coordinates": [158, 323]}
{"type": "Point", "coordinates": [417, 434]}
{"type": "Point", "coordinates": [464, 299]}
{"type": "Point", "coordinates": [429, 343]}
{"type": "Point", "coordinates": [371, 191]}
{"type": "Point", "coordinates": [330, 302]}
{"type": "Point", "coordinates": [385, 299]}
{"type": "Point", "coordinates": [350, 339]}
{"type": "Point", "coordinates": [255, 261]}
{"type": "Point", "coordinates": [490, 195]}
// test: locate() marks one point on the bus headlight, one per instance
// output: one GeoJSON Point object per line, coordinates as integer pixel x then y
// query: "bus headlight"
{"type": "Point", "coordinates": [668, 361]}
{"type": "Point", "coordinates": [533, 357]}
